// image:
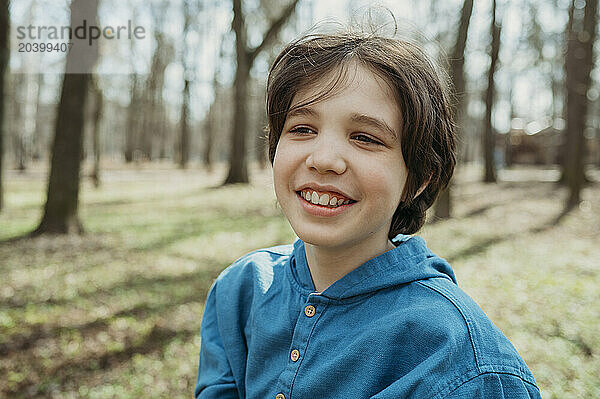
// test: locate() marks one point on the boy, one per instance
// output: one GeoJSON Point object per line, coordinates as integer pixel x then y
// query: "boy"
{"type": "Point", "coordinates": [361, 141]}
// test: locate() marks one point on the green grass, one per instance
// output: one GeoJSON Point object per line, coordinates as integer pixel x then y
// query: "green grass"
{"type": "Point", "coordinates": [116, 312]}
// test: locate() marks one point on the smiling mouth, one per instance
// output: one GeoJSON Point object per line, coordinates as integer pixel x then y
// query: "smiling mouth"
{"type": "Point", "coordinates": [329, 200]}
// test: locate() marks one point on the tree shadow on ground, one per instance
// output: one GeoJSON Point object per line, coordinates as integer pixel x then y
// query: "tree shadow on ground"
{"type": "Point", "coordinates": [186, 288]}
{"type": "Point", "coordinates": [132, 283]}
{"type": "Point", "coordinates": [215, 224]}
{"type": "Point", "coordinates": [154, 200]}
{"type": "Point", "coordinates": [158, 338]}
{"type": "Point", "coordinates": [23, 341]}
{"type": "Point", "coordinates": [482, 245]}
{"type": "Point", "coordinates": [525, 189]}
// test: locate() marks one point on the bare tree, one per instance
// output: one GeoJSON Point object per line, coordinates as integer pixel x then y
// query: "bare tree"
{"type": "Point", "coordinates": [96, 115]}
{"type": "Point", "coordinates": [153, 123]}
{"type": "Point", "coordinates": [538, 39]}
{"type": "Point", "coordinates": [184, 139]}
{"type": "Point", "coordinates": [4, 56]}
{"type": "Point", "coordinates": [133, 111]}
{"type": "Point", "coordinates": [457, 75]}
{"type": "Point", "coordinates": [245, 56]}
{"type": "Point", "coordinates": [581, 34]}
{"type": "Point", "coordinates": [210, 121]}
{"type": "Point", "coordinates": [489, 133]}
{"type": "Point", "coordinates": [60, 210]}
{"type": "Point", "coordinates": [19, 93]}
{"type": "Point", "coordinates": [37, 131]}
{"type": "Point", "coordinates": [208, 129]}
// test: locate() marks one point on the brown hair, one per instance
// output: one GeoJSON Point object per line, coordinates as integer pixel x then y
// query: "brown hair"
{"type": "Point", "coordinates": [428, 135]}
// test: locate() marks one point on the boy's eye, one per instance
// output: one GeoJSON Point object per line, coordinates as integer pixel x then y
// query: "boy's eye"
{"type": "Point", "coordinates": [302, 130]}
{"type": "Point", "coordinates": [366, 139]}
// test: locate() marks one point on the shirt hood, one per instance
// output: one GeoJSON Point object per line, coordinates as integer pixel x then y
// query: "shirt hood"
{"type": "Point", "coordinates": [410, 261]}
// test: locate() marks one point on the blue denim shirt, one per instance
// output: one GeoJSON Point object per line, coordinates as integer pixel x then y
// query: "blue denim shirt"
{"type": "Point", "coordinates": [398, 326]}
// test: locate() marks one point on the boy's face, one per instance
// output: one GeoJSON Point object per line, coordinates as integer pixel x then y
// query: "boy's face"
{"type": "Point", "coordinates": [341, 148]}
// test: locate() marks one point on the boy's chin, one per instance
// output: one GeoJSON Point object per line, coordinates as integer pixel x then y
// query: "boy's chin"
{"type": "Point", "coordinates": [322, 239]}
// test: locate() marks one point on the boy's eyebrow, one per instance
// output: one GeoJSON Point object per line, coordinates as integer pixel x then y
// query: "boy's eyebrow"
{"type": "Point", "coordinates": [303, 111]}
{"type": "Point", "coordinates": [355, 117]}
{"type": "Point", "coordinates": [374, 122]}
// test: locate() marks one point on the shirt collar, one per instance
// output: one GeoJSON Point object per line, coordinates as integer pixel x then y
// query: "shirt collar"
{"type": "Point", "coordinates": [410, 261]}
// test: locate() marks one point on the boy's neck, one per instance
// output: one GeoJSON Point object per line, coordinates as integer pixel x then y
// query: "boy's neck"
{"type": "Point", "coordinates": [328, 265]}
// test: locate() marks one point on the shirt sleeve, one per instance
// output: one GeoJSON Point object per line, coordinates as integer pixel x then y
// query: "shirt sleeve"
{"type": "Point", "coordinates": [496, 386]}
{"type": "Point", "coordinates": [215, 377]}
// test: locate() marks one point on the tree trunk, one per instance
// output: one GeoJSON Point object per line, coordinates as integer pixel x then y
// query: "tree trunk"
{"type": "Point", "coordinates": [4, 56]}
{"type": "Point", "coordinates": [19, 93]}
{"type": "Point", "coordinates": [210, 121]}
{"type": "Point", "coordinates": [578, 65]}
{"type": "Point", "coordinates": [133, 111]}
{"type": "Point", "coordinates": [148, 112]}
{"type": "Point", "coordinates": [489, 141]}
{"type": "Point", "coordinates": [162, 130]}
{"type": "Point", "coordinates": [60, 210]}
{"type": "Point", "coordinates": [208, 143]}
{"type": "Point", "coordinates": [153, 139]}
{"type": "Point", "coordinates": [564, 150]}
{"type": "Point", "coordinates": [443, 206]}
{"type": "Point", "coordinates": [184, 139]}
{"type": "Point", "coordinates": [209, 126]}
{"type": "Point", "coordinates": [96, 118]}
{"type": "Point", "coordinates": [238, 168]}
{"type": "Point", "coordinates": [36, 141]}
{"type": "Point", "coordinates": [131, 136]}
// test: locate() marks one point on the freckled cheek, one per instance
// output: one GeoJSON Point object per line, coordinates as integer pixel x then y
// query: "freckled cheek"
{"type": "Point", "coordinates": [284, 167]}
{"type": "Point", "coordinates": [384, 184]}
{"type": "Point", "coordinates": [287, 156]}
{"type": "Point", "coordinates": [280, 181]}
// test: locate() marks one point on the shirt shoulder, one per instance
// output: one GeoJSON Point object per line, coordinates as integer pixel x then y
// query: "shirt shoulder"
{"type": "Point", "coordinates": [490, 351]}
{"type": "Point", "coordinates": [255, 267]}
{"type": "Point", "coordinates": [495, 386]}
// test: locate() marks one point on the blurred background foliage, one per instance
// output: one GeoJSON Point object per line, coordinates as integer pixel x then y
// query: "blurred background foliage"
{"type": "Point", "coordinates": [118, 208]}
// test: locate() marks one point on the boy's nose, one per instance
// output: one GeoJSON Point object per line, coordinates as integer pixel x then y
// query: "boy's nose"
{"type": "Point", "coordinates": [325, 157]}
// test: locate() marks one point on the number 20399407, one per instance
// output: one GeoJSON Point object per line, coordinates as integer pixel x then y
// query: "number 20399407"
{"type": "Point", "coordinates": [44, 47]}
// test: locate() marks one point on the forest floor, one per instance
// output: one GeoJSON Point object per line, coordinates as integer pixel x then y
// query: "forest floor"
{"type": "Point", "coordinates": [116, 312]}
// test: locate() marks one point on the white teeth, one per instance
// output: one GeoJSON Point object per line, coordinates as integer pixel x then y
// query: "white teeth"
{"type": "Point", "coordinates": [314, 198]}
{"type": "Point", "coordinates": [324, 200]}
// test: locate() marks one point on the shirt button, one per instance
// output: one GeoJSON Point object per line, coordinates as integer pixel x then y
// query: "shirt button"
{"type": "Point", "coordinates": [309, 311]}
{"type": "Point", "coordinates": [295, 355]}
{"type": "Point", "coordinates": [280, 396]}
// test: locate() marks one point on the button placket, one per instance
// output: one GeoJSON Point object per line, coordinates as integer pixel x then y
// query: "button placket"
{"type": "Point", "coordinates": [305, 326]}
